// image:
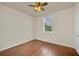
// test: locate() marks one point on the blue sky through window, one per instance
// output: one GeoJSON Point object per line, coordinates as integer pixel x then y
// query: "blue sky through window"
{"type": "Point", "coordinates": [48, 20]}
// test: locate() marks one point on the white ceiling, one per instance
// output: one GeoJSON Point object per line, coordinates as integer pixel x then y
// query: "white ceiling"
{"type": "Point", "coordinates": [50, 8]}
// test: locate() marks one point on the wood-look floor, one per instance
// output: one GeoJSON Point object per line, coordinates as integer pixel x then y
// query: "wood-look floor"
{"type": "Point", "coordinates": [39, 48]}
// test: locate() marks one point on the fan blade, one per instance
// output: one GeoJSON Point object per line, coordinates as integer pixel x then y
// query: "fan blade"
{"type": "Point", "coordinates": [43, 9]}
{"type": "Point", "coordinates": [38, 3]}
{"type": "Point", "coordinates": [32, 5]}
{"type": "Point", "coordinates": [44, 4]}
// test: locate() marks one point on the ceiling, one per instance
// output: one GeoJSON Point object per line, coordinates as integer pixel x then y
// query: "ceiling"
{"type": "Point", "coordinates": [50, 8]}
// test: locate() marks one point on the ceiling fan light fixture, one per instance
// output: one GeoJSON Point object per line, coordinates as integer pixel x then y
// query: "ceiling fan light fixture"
{"type": "Point", "coordinates": [38, 6]}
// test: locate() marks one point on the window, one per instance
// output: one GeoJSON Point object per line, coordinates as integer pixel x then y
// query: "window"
{"type": "Point", "coordinates": [48, 24]}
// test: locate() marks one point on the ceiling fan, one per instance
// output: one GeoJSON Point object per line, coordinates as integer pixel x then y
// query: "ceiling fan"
{"type": "Point", "coordinates": [38, 6]}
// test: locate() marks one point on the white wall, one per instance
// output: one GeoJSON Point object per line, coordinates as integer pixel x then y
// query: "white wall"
{"type": "Point", "coordinates": [62, 33]}
{"type": "Point", "coordinates": [15, 27]}
{"type": "Point", "coordinates": [76, 27]}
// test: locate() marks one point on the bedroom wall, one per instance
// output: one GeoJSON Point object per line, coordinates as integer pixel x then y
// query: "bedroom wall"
{"type": "Point", "coordinates": [76, 27]}
{"type": "Point", "coordinates": [15, 27]}
{"type": "Point", "coordinates": [62, 33]}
